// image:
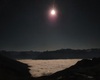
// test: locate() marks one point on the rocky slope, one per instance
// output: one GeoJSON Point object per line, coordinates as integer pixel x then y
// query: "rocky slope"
{"type": "Point", "coordinates": [13, 70]}
{"type": "Point", "coordinates": [82, 70]}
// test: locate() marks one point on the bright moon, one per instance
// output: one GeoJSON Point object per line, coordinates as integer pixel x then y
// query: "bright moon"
{"type": "Point", "coordinates": [53, 12]}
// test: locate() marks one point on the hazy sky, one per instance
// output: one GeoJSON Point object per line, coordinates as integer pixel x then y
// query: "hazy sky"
{"type": "Point", "coordinates": [26, 24]}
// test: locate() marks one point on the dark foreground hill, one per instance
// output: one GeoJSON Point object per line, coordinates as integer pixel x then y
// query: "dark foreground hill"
{"type": "Point", "coordinates": [82, 70]}
{"type": "Point", "coordinates": [13, 70]}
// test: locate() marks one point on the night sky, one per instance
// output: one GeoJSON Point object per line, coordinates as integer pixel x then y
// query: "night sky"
{"type": "Point", "coordinates": [27, 25]}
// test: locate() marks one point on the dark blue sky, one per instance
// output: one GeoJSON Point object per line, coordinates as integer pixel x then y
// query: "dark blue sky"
{"type": "Point", "coordinates": [25, 25]}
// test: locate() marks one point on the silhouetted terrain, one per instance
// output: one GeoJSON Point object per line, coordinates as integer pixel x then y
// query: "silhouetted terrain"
{"type": "Point", "coordinates": [13, 70]}
{"type": "Point", "coordinates": [57, 54]}
{"type": "Point", "coordinates": [82, 70]}
{"type": "Point", "coordinates": [70, 54]}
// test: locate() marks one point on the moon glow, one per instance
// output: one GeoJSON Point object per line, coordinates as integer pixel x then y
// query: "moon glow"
{"type": "Point", "coordinates": [53, 12]}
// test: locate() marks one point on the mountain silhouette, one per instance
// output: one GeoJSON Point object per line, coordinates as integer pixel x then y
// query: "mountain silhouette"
{"type": "Point", "coordinates": [13, 70]}
{"type": "Point", "coordinates": [82, 70]}
{"type": "Point", "coordinates": [57, 54]}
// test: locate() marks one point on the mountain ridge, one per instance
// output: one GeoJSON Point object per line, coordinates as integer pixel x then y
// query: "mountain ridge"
{"type": "Point", "coordinates": [57, 54]}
